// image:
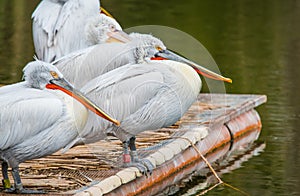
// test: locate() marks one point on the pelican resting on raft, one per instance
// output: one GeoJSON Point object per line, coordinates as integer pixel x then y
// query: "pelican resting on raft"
{"type": "Point", "coordinates": [62, 26]}
{"type": "Point", "coordinates": [87, 64]}
{"type": "Point", "coordinates": [81, 66]}
{"type": "Point", "coordinates": [38, 117]}
{"type": "Point", "coordinates": [146, 96]}
{"type": "Point", "coordinates": [119, 63]}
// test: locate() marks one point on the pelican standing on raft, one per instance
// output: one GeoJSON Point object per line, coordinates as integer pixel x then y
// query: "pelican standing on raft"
{"type": "Point", "coordinates": [62, 26]}
{"type": "Point", "coordinates": [136, 110]}
{"type": "Point", "coordinates": [89, 63]}
{"type": "Point", "coordinates": [38, 117]}
{"type": "Point", "coordinates": [146, 96]}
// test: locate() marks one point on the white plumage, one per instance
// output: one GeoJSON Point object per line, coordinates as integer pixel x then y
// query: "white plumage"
{"type": "Point", "coordinates": [86, 64]}
{"type": "Point", "coordinates": [143, 97]}
{"type": "Point", "coordinates": [63, 26]}
{"type": "Point", "coordinates": [143, 94]}
{"type": "Point", "coordinates": [36, 120]}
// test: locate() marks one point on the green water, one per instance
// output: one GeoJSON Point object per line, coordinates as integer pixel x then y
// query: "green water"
{"type": "Point", "coordinates": [256, 43]}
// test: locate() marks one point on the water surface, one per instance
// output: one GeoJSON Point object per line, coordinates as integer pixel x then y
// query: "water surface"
{"type": "Point", "coordinates": [256, 43]}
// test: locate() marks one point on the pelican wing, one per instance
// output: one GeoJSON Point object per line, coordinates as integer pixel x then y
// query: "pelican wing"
{"type": "Point", "coordinates": [15, 87]}
{"type": "Point", "coordinates": [81, 66]}
{"type": "Point", "coordinates": [25, 113]}
{"type": "Point", "coordinates": [135, 95]}
{"type": "Point", "coordinates": [48, 19]}
{"type": "Point", "coordinates": [44, 21]}
{"type": "Point", "coordinates": [68, 8]}
{"type": "Point", "coordinates": [120, 85]}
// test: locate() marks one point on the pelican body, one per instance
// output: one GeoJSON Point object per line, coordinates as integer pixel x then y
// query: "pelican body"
{"type": "Point", "coordinates": [147, 94]}
{"type": "Point", "coordinates": [87, 64]}
{"type": "Point", "coordinates": [62, 26]}
{"type": "Point", "coordinates": [38, 117]}
{"type": "Point", "coordinates": [84, 65]}
{"type": "Point", "coordinates": [142, 97]}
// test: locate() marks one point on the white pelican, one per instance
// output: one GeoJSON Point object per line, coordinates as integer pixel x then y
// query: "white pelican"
{"type": "Point", "coordinates": [38, 117]}
{"type": "Point", "coordinates": [62, 26]}
{"type": "Point", "coordinates": [145, 96]}
{"type": "Point", "coordinates": [93, 61]}
{"type": "Point", "coordinates": [81, 66]}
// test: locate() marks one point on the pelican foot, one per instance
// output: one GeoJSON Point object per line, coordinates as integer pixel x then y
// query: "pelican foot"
{"type": "Point", "coordinates": [144, 166]}
{"type": "Point", "coordinates": [6, 184]}
{"type": "Point", "coordinates": [132, 159]}
{"type": "Point", "coordinates": [23, 191]}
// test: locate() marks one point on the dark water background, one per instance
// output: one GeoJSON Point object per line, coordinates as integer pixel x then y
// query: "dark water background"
{"type": "Point", "coordinates": [256, 43]}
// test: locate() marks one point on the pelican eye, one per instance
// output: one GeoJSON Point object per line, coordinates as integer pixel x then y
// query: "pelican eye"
{"type": "Point", "coordinates": [54, 74]}
{"type": "Point", "coordinates": [112, 27]}
{"type": "Point", "coordinates": [158, 48]}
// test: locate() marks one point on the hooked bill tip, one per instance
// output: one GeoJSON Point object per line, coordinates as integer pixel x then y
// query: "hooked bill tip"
{"type": "Point", "coordinates": [117, 123]}
{"type": "Point", "coordinates": [229, 80]}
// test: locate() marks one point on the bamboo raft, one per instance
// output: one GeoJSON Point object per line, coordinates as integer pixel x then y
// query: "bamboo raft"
{"type": "Point", "coordinates": [216, 124]}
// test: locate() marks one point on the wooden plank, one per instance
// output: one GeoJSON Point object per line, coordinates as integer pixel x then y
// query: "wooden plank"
{"type": "Point", "coordinates": [101, 160]}
{"type": "Point", "coordinates": [220, 108]}
{"type": "Point", "coordinates": [170, 172]}
{"type": "Point", "coordinates": [209, 111]}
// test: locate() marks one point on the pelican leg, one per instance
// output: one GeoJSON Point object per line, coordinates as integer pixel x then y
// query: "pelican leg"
{"type": "Point", "coordinates": [17, 179]}
{"type": "Point", "coordinates": [133, 153]}
{"type": "Point", "coordinates": [5, 181]}
{"type": "Point", "coordinates": [126, 156]}
{"type": "Point", "coordinates": [132, 159]}
{"type": "Point", "coordinates": [144, 165]}
{"type": "Point", "coordinates": [18, 188]}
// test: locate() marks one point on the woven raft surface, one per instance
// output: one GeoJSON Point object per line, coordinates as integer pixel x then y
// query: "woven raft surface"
{"type": "Point", "coordinates": [82, 165]}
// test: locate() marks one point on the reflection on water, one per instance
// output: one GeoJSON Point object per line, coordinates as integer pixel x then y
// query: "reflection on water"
{"type": "Point", "coordinates": [16, 47]}
{"type": "Point", "coordinates": [228, 164]}
{"type": "Point", "coordinates": [256, 43]}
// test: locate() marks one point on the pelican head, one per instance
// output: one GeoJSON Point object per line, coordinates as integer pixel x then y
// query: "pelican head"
{"type": "Point", "coordinates": [146, 47]}
{"type": "Point", "coordinates": [38, 74]}
{"type": "Point", "coordinates": [104, 29]}
{"type": "Point", "coordinates": [43, 75]}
